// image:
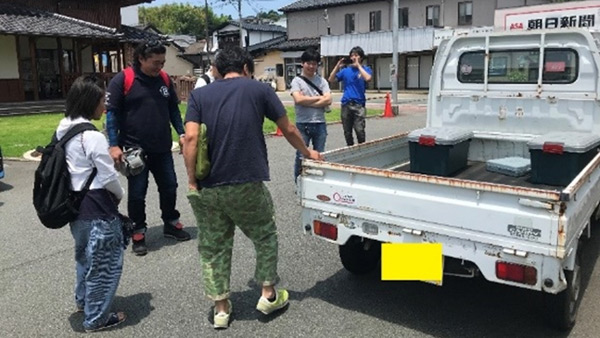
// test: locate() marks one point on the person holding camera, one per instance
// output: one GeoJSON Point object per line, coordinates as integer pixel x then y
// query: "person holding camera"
{"type": "Point", "coordinates": [354, 77]}
{"type": "Point", "coordinates": [311, 97]}
{"type": "Point", "coordinates": [142, 105]}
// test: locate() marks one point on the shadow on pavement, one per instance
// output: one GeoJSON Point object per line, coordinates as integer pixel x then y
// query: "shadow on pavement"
{"type": "Point", "coordinates": [460, 308]}
{"type": "Point", "coordinates": [136, 307]}
{"type": "Point", "coordinates": [5, 186]}
{"type": "Point", "coordinates": [244, 307]}
{"type": "Point", "coordinates": [155, 239]}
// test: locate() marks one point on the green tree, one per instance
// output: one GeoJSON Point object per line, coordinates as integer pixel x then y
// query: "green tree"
{"type": "Point", "coordinates": [270, 15]}
{"type": "Point", "coordinates": [181, 18]}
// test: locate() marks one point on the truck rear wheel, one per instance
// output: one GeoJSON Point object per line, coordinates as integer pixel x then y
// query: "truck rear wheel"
{"type": "Point", "coordinates": [561, 309]}
{"type": "Point", "coordinates": [360, 255]}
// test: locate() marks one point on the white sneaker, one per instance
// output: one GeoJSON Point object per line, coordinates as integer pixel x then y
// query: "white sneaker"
{"type": "Point", "coordinates": [281, 301]}
{"type": "Point", "coordinates": [221, 319]}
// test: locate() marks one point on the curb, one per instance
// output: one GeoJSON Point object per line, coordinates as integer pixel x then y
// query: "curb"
{"type": "Point", "coordinates": [273, 134]}
{"type": "Point", "coordinates": [28, 155]}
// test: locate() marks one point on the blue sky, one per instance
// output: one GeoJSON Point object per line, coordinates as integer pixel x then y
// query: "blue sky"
{"type": "Point", "coordinates": [249, 7]}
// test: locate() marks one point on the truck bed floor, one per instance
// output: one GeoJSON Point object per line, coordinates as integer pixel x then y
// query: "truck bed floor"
{"type": "Point", "coordinates": [475, 171]}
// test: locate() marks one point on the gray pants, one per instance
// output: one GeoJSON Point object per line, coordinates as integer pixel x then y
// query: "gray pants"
{"type": "Point", "coordinates": [353, 117]}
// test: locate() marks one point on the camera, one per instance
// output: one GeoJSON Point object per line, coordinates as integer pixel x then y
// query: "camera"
{"type": "Point", "coordinates": [133, 163]}
{"type": "Point", "coordinates": [347, 60]}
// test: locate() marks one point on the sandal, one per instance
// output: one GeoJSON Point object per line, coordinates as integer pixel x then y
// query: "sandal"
{"type": "Point", "coordinates": [114, 319]}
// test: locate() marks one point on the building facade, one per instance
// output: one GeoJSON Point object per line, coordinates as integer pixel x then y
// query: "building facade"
{"type": "Point", "coordinates": [253, 33]}
{"type": "Point", "coordinates": [45, 45]}
{"type": "Point", "coordinates": [343, 24]}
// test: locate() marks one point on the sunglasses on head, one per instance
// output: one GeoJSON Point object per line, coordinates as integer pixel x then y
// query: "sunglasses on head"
{"type": "Point", "coordinates": [152, 44]}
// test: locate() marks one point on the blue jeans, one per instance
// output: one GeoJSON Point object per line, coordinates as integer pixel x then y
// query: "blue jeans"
{"type": "Point", "coordinates": [98, 264]}
{"type": "Point", "coordinates": [315, 132]}
{"type": "Point", "coordinates": [162, 168]}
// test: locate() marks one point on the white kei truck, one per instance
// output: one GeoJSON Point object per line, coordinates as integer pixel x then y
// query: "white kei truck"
{"type": "Point", "coordinates": [529, 95]}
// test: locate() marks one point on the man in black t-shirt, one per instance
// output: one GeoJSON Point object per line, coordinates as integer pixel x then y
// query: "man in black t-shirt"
{"type": "Point", "coordinates": [142, 105]}
{"type": "Point", "coordinates": [233, 194]}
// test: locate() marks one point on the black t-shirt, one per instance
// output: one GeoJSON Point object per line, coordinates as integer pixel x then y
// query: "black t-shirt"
{"type": "Point", "coordinates": [98, 204]}
{"type": "Point", "coordinates": [143, 115]}
{"type": "Point", "coordinates": [234, 111]}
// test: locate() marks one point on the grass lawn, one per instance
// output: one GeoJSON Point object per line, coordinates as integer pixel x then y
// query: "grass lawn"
{"type": "Point", "coordinates": [19, 134]}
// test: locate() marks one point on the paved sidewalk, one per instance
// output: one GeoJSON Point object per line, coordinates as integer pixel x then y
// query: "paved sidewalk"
{"type": "Point", "coordinates": [373, 97]}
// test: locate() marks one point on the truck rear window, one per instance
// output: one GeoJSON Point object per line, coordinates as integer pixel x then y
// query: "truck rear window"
{"type": "Point", "coordinates": [520, 66]}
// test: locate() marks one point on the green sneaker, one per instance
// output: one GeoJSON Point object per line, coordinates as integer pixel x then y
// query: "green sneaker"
{"type": "Point", "coordinates": [221, 319]}
{"type": "Point", "coordinates": [281, 301]}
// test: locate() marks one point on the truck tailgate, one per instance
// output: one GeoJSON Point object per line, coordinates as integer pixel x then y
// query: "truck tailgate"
{"type": "Point", "coordinates": [515, 217]}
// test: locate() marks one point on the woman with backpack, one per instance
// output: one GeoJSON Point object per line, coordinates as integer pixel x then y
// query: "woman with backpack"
{"type": "Point", "coordinates": [97, 230]}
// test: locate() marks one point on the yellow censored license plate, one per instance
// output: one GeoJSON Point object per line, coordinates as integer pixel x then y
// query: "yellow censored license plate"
{"type": "Point", "coordinates": [412, 262]}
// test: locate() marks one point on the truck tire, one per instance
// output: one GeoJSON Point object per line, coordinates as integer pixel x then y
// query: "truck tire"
{"type": "Point", "coordinates": [561, 309]}
{"type": "Point", "coordinates": [360, 255]}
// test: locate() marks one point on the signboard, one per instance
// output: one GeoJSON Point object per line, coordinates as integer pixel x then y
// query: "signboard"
{"type": "Point", "coordinates": [581, 14]}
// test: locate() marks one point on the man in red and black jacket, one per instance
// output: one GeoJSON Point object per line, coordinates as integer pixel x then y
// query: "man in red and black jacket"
{"type": "Point", "coordinates": [141, 107]}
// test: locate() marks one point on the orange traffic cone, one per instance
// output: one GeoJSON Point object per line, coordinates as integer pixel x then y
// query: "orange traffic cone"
{"type": "Point", "coordinates": [387, 112]}
{"type": "Point", "coordinates": [278, 132]}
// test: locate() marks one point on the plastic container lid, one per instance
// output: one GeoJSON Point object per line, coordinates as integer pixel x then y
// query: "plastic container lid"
{"type": "Point", "coordinates": [441, 136]}
{"type": "Point", "coordinates": [570, 142]}
{"type": "Point", "coordinates": [512, 166]}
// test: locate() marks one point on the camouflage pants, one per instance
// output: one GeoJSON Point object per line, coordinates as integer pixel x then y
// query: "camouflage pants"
{"type": "Point", "coordinates": [218, 210]}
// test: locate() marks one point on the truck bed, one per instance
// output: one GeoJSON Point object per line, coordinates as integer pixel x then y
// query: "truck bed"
{"type": "Point", "coordinates": [476, 171]}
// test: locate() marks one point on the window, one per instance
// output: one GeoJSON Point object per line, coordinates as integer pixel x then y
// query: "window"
{"type": "Point", "coordinates": [279, 69]}
{"type": "Point", "coordinates": [349, 23]}
{"type": "Point", "coordinates": [465, 13]}
{"type": "Point", "coordinates": [432, 16]}
{"type": "Point", "coordinates": [403, 17]}
{"type": "Point", "coordinates": [375, 21]}
{"type": "Point", "coordinates": [69, 61]}
{"type": "Point", "coordinates": [520, 66]}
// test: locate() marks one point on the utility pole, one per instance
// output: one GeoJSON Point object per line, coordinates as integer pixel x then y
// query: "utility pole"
{"type": "Point", "coordinates": [240, 16]}
{"type": "Point", "coordinates": [239, 8]}
{"type": "Point", "coordinates": [206, 26]}
{"type": "Point", "coordinates": [394, 70]}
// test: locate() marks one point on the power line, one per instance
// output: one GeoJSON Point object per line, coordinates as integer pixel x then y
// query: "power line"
{"type": "Point", "coordinates": [256, 9]}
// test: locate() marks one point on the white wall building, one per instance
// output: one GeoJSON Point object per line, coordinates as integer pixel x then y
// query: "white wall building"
{"type": "Point", "coordinates": [130, 16]}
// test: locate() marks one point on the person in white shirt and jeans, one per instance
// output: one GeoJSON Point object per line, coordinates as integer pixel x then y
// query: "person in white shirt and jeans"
{"type": "Point", "coordinates": [97, 231]}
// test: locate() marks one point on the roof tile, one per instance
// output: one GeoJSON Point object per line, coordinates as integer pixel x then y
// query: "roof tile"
{"type": "Point", "coordinates": [301, 5]}
{"type": "Point", "coordinates": [300, 44]}
{"type": "Point", "coordinates": [258, 27]}
{"type": "Point", "coordinates": [21, 20]}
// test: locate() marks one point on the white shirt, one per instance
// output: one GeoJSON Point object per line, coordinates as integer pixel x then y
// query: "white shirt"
{"type": "Point", "coordinates": [86, 151]}
{"type": "Point", "coordinates": [200, 83]}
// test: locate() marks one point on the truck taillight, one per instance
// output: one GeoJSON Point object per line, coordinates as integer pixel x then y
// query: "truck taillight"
{"type": "Point", "coordinates": [553, 148]}
{"type": "Point", "coordinates": [516, 273]}
{"type": "Point", "coordinates": [428, 141]}
{"type": "Point", "coordinates": [326, 230]}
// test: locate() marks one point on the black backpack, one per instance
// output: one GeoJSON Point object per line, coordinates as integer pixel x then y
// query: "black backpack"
{"type": "Point", "coordinates": [55, 203]}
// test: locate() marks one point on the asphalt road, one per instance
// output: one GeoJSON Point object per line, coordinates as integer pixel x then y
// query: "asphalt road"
{"type": "Point", "coordinates": [162, 295]}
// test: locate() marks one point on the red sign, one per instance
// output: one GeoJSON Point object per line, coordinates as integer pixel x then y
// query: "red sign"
{"type": "Point", "coordinates": [516, 25]}
{"type": "Point", "coordinates": [554, 67]}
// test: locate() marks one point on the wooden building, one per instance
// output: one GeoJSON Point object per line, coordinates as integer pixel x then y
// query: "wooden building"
{"type": "Point", "coordinates": [46, 44]}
